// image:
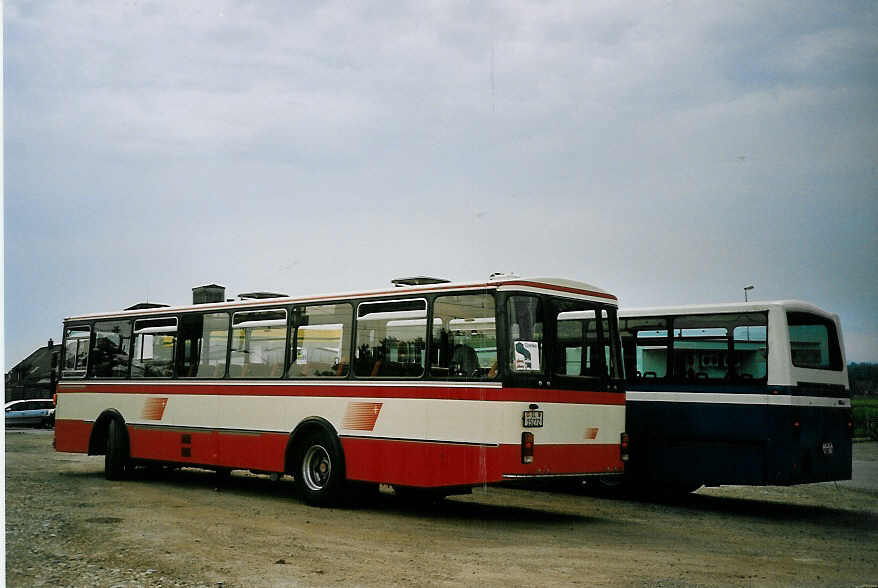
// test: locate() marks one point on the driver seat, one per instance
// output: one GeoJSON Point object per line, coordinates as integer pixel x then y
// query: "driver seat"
{"type": "Point", "coordinates": [464, 361]}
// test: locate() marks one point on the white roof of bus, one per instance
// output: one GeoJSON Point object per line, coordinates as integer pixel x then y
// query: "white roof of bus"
{"type": "Point", "coordinates": [557, 286]}
{"type": "Point", "coordinates": [756, 306]}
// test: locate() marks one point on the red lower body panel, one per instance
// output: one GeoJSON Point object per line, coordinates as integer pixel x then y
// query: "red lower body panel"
{"type": "Point", "coordinates": [426, 464]}
{"type": "Point", "coordinates": [237, 450]}
{"type": "Point", "coordinates": [72, 436]}
{"type": "Point", "coordinates": [410, 463]}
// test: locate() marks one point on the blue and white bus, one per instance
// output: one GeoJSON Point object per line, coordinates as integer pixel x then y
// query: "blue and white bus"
{"type": "Point", "coordinates": [753, 393]}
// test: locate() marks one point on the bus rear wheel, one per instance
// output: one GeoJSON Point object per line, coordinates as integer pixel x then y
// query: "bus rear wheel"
{"type": "Point", "coordinates": [319, 475]}
{"type": "Point", "coordinates": [116, 458]}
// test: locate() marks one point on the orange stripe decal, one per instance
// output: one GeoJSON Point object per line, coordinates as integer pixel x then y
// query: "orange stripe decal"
{"type": "Point", "coordinates": [154, 409]}
{"type": "Point", "coordinates": [591, 433]}
{"type": "Point", "coordinates": [361, 416]}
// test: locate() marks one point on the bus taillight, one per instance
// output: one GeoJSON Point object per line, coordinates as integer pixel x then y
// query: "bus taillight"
{"type": "Point", "coordinates": [527, 447]}
{"type": "Point", "coordinates": [623, 447]}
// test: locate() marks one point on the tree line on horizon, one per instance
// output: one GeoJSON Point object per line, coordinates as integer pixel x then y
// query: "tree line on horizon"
{"type": "Point", "coordinates": [863, 378]}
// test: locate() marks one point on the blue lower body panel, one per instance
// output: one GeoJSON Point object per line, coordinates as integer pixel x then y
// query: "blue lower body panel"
{"type": "Point", "coordinates": [693, 443]}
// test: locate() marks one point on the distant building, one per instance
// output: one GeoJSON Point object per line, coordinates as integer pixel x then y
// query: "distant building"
{"type": "Point", "coordinates": [32, 377]}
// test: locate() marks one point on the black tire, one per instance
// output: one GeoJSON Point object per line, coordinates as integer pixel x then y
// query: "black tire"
{"type": "Point", "coordinates": [116, 458]}
{"type": "Point", "coordinates": [320, 473]}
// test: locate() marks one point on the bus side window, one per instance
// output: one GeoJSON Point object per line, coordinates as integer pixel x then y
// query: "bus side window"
{"type": "Point", "coordinates": [701, 347]}
{"type": "Point", "coordinates": [464, 337]}
{"type": "Point", "coordinates": [391, 339]}
{"type": "Point", "coordinates": [321, 342]}
{"type": "Point", "coordinates": [258, 344]}
{"type": "Point", "coordinates": [202, 346]}
{"type": "Point", "coordinates": [155, 341]}
{"type": "Point", "coordinates": [112, 349]}
{"type": "Point", "coordinates": [750, 350]}
{"type": "Point", "coordinates": [76, 341]}
{"type": "Point", "coordinates": [645, 345]}
{"type": "Point", "coordinates": [652, 353]}
{"type": "Point", "coordinates": [629, 354]}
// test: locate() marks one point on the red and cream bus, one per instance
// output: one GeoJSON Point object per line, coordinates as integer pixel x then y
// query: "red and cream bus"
{"type": "Point", "coordinates": [431, 385]}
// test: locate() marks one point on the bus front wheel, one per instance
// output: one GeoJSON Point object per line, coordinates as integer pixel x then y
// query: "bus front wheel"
{"type": "Point", "coordinates": [116, 459]}
{"type": "Point", "coordinates": [319, 474]}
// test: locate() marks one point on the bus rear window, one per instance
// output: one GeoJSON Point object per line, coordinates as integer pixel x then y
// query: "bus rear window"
{"type": "Point", "coordinates": [582, 345]}
{"type": "Point", "coordinates": [525, 333]}
{"type": "Point", "coordinates": [813, 342]}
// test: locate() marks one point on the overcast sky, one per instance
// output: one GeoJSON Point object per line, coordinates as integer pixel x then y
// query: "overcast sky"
{"type": "Point", "coordinates": [668, 152]}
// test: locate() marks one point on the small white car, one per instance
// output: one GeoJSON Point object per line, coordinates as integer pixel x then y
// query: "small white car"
{"type": "Point", "coordinates": [33, 412]}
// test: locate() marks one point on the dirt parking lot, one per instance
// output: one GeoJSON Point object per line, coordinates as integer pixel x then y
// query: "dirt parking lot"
{"type": "Point", "coordinates": [67, 526]}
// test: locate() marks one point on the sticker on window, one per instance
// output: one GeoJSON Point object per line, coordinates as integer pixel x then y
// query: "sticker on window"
{"type": "Point", "coordinates": [301, 356]}
{"type": "Point", "coordinates": [527, 356]}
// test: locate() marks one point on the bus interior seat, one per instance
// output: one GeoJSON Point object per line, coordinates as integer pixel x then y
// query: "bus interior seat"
{"type": "Point", "coordinates": [464, 361]}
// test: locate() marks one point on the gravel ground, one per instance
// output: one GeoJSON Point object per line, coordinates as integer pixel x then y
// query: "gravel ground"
{"type": "Point", "coordinates": [67, 526]}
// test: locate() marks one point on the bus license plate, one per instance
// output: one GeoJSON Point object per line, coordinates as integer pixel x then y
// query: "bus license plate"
{"type": "Point", "coordinates": [828, 448]}
{"type": "Point", "coordinates": [532, 418]}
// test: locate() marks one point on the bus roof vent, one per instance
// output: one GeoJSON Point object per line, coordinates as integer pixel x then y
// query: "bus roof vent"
{"type": "Point", "coordinates": [261, 295]}
{"type": "Point", "coordinates": [503, 276]}
{"type": "Point", "coordinates": [418, 281]}
{"type": "Point", "coordinates": [145, 305]}
{"type": "Point", "coordinates": [208, 294]}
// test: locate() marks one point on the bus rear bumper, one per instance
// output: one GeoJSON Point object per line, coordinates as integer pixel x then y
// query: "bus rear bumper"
{"type": "Point", "coordinates": [614, 475]}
